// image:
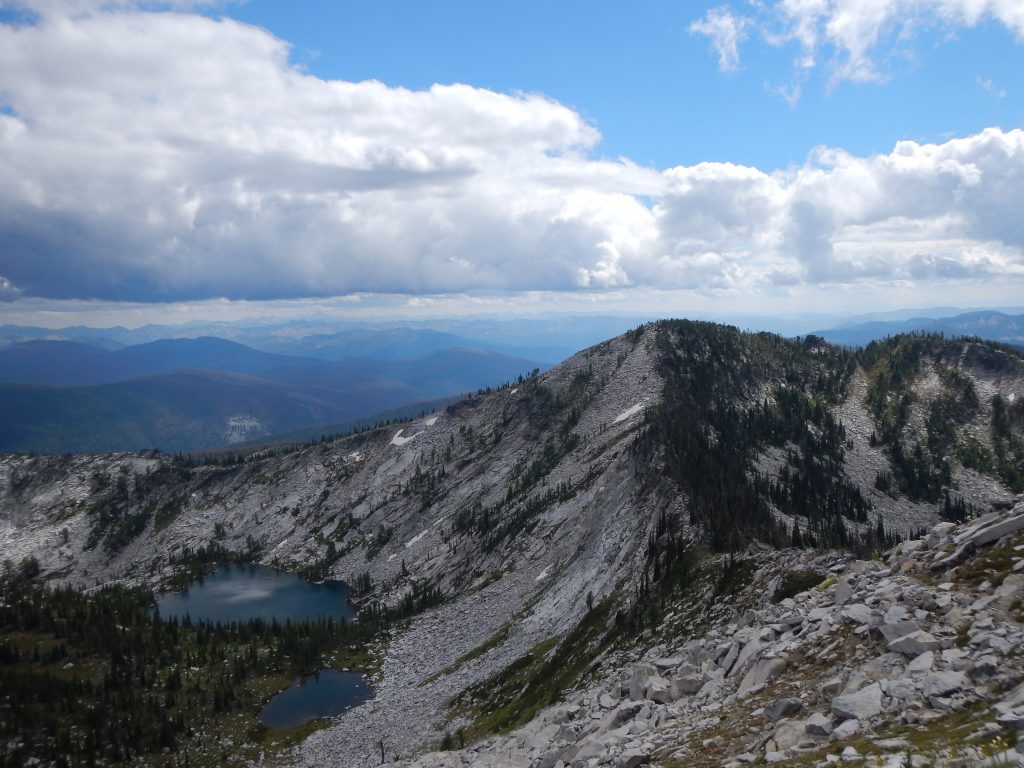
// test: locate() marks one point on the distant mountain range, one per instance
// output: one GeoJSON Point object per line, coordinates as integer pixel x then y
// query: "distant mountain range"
{"type": "Point", "coordinates": [549, 340]}
{"type": "Point", "coordinates": [71, 363]}
{"type": "Point", "coordinates": [986, 324]}
{"type": "Point", "coordinates": [192, 394]}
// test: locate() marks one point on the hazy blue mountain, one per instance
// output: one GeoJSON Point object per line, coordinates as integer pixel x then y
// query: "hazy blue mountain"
{"type": "Point", "coordinates": [191, 410]}
{"type": "Point", "coordinates": [56, 363]}
{"type": "Point", "coordinates": [65, 363]}
{"type": "Point", "coordinates": [381, 344]}
{"type": "Point", "coordinates": [986, 324]}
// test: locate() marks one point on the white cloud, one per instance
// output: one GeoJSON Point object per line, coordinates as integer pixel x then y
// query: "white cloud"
{"type": "Point", "coordinates": [855, 35]}
{"type": "Point", "coordinates": [168, 156]}
{"type": "Point", "coordinates": [726, 31]}
{"type": "Point", "coordinates": [8, 291]}
{"type": "Point", "coordinates": [991, 87]}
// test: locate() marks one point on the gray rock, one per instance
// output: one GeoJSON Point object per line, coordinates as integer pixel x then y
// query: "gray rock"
{"type": "Point", "coordinates": [900, 629]}
{"type": "Point", "coordinates": [686, 685]}
{"type": "Point", "coordinates": [782, 708]}
{"type": "Point", "coordinates": [843, 591]}
{"type": "Point", "coordinates": [981, 533]}
{"type": "Point", "coordinates": [638, 681]}
{"type": "Point", "coordinates": [664, 665]}
{"type": "Point", "coordinates": [915, 643]}
{"type": "Point", "coordinates": [857, 613]}
{"type": "Point", "coordinates": [788, 734]}
{"type": "Point", "coordinates": [745, 658]}
{"type": "Point", "coordinates": [632, 758]}
{"type": "Point", "coordinates": [763, 671]}
{"type": "Point", "coordinates": [658, 689]}
{"type": "Point", "coordinates": [833, 685]}
{"type": "Point", "coordinates": [921, 664]}
{"type": "Point", "coordinates": [959, 556]}
{"type": "Point", "coordinates": [1012, 718]}
{"type": "Point", "coordinates": [937, 684]}
{"type": "Point", "coordinates": [861, 705]}
{"type": "Point", "coordinates": [903, 688]}
{"type": "Point", "coordinates": [846, 730]}
{"type": "Point", "coordinates": [818, 724]}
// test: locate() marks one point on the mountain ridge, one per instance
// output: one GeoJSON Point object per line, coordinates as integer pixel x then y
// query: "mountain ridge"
{"type": "Point", "coordinates": [531, 505]}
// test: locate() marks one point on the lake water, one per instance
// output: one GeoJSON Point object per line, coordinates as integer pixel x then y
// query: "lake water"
{"type": "Point", "coordinates": [326, 694]}
{"type": "Point", "coordinates": [242, 592]}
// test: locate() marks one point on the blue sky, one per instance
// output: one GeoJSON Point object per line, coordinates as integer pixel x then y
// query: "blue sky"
{"type": "Point", "coordinates": [769, 156]}
{"type": "Point", "coordinates": [651, 86]}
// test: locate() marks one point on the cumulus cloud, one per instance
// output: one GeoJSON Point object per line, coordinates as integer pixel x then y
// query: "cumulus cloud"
{"type": "Point", "coordinates": [169, 156]}
{"type": "Point", "coordinates": [852, 34]}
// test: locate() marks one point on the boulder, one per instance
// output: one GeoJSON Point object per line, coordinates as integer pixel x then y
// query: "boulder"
{"type": "Point", "coordinates": [843, 592]}
{"type": "Point", "coordinates": [857, 613]}
{"type": "Point", "coordinates": [788, 734]}
{"type": "Point", "coordinates": [658, 689]}
{"type": "Point", "coordinates": [686, 685]}
{"type": "Point", "coordinates": [818, 724]}
{"type": "Point", "coordinates": [759, 674]}
{"type": "Point", "coordinates": [632, 758]}
{"type": "Point", "coordinates": [986, 532]}
{"type": "Point", "coordinates": [846, 730]}
{"type": "Point", "coordinates": [863, 704]}
{"type": "Point", "coordinates": [638, 680]}
{"type": "Point", "coordinates": [898, 629]}
{"type": "Point", "coordinates": [915, 643]}
{"type": "Point", "coordinates": [666, 664]}
{"type": "Point", "coordinates": [745, 658]}
{"type": "Point", "coordinates": [921, 664]}
{"type": "Point", "coordinates": [782, 708]}
{"type": "Point", "coordinates": [937, 684]}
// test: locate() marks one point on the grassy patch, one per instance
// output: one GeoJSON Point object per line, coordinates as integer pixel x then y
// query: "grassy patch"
{"type": "Point", "coordinates": [993, 565]}
{"type": "Point", "coordinates": [513, 696]}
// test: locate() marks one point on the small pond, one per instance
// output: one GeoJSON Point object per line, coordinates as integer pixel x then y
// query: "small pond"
{"type": "Point", "coordinates": [243, 592]}
{"type": "Point", "coordinates": [325, 694]}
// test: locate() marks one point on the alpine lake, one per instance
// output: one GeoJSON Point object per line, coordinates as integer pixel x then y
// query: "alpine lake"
{"type": "Point", "coordinates": [238, 593]}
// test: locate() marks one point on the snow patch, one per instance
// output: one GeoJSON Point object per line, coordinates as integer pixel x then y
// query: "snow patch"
{"type": "Point", "coordinates": [391, 557]}
{"type": "Point", "coordinates": [416, 538]}
{"type": "Point", "coordinates": [513, 391]}
{"type": "Point", "coordinates": [399, 440]}
{"type": "Point", "coordinates": [431, 421]}
{"type": "Point", "coordinates": [354, 456]}
{"type": "Point", "coordinates": [632, 411]}
{"type": "Point", "coordinates": [543, 574]}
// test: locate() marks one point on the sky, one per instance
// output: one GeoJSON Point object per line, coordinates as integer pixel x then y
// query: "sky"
{"type": "Point", "coordinates": [170, 160]}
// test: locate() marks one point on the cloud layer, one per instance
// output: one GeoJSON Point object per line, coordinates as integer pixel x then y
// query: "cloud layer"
{"type": "Point", "coordinates": [169, 156]}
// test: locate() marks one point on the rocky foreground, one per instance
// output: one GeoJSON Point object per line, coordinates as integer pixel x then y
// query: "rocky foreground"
{"type": "Point", "coordinates": [911, 660]}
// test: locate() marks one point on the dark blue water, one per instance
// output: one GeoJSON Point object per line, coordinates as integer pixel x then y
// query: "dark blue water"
{"type": "Point", "coordinates": [242, 592]}
{"type": "Point", "coordinates": [326, 694]}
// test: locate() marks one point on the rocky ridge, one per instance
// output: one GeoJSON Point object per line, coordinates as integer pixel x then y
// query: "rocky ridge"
{"type": "Point", "coordinates": [913, 660]}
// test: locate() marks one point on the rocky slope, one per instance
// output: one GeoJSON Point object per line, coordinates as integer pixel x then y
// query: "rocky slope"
{"type": "Point", "coordinates": [565, 515]}
{"type": "Point", "coordinates": [914, 660]}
